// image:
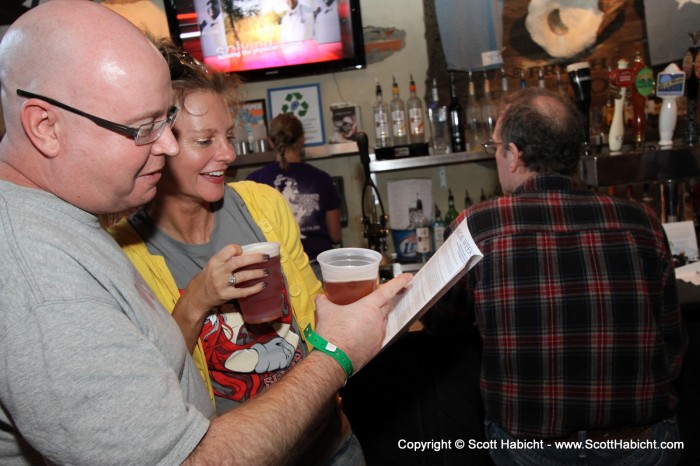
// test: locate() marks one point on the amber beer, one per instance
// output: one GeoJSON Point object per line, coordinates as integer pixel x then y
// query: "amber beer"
{"type": "Point", "coordinates": [268, 304]}
{"type": "Point", "coordinates": [349, 292]}
{"type": "Point", "coordinates": [349, 273]}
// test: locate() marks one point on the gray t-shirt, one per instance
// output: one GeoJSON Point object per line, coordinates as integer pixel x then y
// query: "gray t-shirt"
{"type": "Point", "coordinates": [93, 369]}
{"type": "Point", "coordinates": [233, 224]}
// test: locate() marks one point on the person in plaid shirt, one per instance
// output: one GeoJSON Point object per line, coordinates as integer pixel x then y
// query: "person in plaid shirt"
{"type": "Point", "coordinates": [575, 301]}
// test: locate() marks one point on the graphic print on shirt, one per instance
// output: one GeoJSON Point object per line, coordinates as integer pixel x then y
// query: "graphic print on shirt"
{"type": "Point", "coordinates": [303, 206]}
{"type": "Point", "coordinates": [246, 358]}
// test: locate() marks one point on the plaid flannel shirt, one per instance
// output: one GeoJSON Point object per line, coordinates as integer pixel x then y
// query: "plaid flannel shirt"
{"type": "Point", "coordinates": [576, 304]}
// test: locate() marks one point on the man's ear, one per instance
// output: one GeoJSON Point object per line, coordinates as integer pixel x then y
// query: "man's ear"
{"type": "Point", "coordinates": [40, 123]}
{"type": "Point", "coordinates": [513, 155]}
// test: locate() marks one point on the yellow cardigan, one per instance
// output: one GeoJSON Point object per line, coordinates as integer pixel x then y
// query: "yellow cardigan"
{"type": "Point", "coordinates": [276, 221]}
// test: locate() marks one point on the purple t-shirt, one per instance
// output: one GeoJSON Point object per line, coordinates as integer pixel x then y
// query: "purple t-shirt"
{"type": "Point", "coordinates": [310, 193]}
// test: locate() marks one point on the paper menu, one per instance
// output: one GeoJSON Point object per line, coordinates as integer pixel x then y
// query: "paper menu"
{"type": "Point", "coordinates": [449, 263]}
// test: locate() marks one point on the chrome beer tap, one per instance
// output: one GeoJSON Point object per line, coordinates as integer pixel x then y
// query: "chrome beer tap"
{"type": "Point", "coordinates": [374, 219]}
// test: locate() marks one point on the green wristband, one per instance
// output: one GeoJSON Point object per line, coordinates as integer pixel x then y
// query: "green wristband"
{"type": "Point", "coordinates": [319, 343]}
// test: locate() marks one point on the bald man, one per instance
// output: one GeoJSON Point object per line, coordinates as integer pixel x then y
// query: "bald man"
{"type": "Point", "coordinates": [92, 369]}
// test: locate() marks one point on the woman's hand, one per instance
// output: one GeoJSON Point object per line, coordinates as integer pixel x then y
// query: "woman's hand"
{"type": "Point", "coordinates": [213, 287]}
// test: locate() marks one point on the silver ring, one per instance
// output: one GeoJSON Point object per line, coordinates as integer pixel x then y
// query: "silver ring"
{"type": "Point", "coordinates": [232, 280]}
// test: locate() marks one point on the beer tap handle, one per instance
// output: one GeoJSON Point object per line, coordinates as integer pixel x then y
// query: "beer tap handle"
{"type": "Point", "coordinates": [363, 149]}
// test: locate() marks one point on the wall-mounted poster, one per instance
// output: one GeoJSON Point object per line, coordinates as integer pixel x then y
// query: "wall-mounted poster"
{"type": "Point", "coordinates": [253, 117]}
{"type": "Point", "coordinates": [305, 103]}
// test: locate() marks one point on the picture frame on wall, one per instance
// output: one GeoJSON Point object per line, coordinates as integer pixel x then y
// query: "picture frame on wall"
{"type": "Point", "coordinates": [347, 122]}
{"type": "Point", "coordinates": [252, 116]}
{"type": "Point", "coordinates": [305, 103]}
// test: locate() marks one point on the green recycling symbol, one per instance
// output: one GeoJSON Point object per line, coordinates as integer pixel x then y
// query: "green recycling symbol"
{"type": "Point", "coordinates": [295, 103]}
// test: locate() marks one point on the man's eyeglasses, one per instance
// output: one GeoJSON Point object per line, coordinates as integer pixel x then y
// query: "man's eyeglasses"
{"type": "Point", "coordinates": [144, 134]}
{"type": "Point", "coordinates": [491, 146]}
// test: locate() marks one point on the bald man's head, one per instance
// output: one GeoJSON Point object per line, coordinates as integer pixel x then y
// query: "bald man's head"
{"type": "Point", "coordinates": [86, 56]}
{"type": "Point", "coordinates": [69, 47]}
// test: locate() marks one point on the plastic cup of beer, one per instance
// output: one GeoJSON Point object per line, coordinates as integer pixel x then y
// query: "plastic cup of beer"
{"type": "Point", "coordinates": [267, 305]}
{"type": "Point", "coordinates": [349, 273]}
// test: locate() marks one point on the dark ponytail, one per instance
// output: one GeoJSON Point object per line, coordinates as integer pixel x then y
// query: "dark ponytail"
{"type": "Point", "coordinates": [285, 131]}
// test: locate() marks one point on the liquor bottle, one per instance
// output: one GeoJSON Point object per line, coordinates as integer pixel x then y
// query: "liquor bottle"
{"type": "Point", "coordinates": [490, 108]}
{"type": "Point", "coordinates": [398, 116]}
{"type": "Point", "coordinates": [560, 86]}
{"type": "Point", "coordinates": [451, 213]}
{"type": "Point", "coordinates": [422, 227]}
{"type": "Point", "coordinates": [380, 110]}
{"type": "Point", "coordinates": [540, 78]}
{"type": "Point", "coordinates": [437, 114]}
{"type": "Point", "coordinates": [523, 81]}
{"type": "Point", "coordinates": [475, 122]}
{"type": "Point", "coordinates": [438, 228]}
{"type": "Point", "coordinates": [456, 119]}
{"type": "Point", "coordinates": [467, 199]}
{"type": "Point", "coordinates": [414, 107]}
{"type": "Point", "coordinates": [608, 112]}
{"type": "Point", "coordinates": [504, 82]}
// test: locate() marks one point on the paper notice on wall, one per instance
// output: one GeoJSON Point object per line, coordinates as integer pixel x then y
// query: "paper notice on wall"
{"type": "Point", "coordinates": [455, 258]}
{"type": "Point", "coordinates": [682, 239]}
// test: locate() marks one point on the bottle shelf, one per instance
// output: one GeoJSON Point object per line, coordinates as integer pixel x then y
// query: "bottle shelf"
{"type": "Point", "coordinates": [378, 166]}
{"type": "Point", "coordinates": [375, 166]}
{"type": "Point", "coordinates": [640, 167]}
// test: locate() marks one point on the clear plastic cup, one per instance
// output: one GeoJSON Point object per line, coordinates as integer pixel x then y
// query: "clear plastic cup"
{"type": "Point", "coordinates": [349, 273]}
{"type": "Point", "coordinates": [267, 305]}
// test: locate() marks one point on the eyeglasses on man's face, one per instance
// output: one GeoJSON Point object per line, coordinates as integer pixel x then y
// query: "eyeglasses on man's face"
{"type": "Point", "coordinates": [491, 146]}
{"type": "Point", "coordinates": [144, 134]}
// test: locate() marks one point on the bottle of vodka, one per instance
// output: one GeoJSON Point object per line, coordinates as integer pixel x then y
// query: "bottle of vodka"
{"type": "Point", "coordinates": [380, 111]}
{"type": "Point", "coordinates": [398, 116]}
{"type": "Point", "coordinates": [422, 226]}
{"type": "Point", "coordinates": [437, 115]}
{"type": "Point", "coordinates": [414, 107]}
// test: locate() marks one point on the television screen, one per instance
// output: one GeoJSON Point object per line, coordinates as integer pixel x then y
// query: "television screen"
{"type": "Point", "coordinates": [270, 39]}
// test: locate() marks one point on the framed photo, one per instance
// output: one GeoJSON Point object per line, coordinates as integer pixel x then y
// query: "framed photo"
{"type": "Point", "coordinates": [253, 118]}
{"type": "Point", "coordinates": [346, 118]}
{"type": "Point", "coordinates": [305, 103]}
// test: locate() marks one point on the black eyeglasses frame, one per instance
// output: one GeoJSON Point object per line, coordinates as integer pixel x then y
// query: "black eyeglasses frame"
{"type": "Point", "coordinates": [136, 133]}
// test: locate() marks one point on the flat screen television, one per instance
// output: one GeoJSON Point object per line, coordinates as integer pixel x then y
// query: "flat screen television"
{"type": "Point", "coordinates": [270, 39]}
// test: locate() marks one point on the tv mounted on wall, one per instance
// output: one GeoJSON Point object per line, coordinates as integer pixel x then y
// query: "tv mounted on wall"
{"type": "Point", "coordinates": [266, 39]}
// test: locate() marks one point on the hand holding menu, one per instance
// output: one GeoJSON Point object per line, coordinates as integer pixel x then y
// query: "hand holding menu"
{"type": "Point", "coordinates": [449, 263]}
